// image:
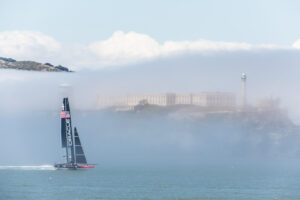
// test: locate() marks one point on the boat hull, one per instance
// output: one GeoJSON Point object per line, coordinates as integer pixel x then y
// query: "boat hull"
{"type": "Point", "coordinates": [72, 166]}
{"type": "Point", "coordinates": [65, 166]}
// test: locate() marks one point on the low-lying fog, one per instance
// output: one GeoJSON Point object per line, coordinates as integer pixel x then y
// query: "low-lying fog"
{"type": "Point", "coordinates": [30, 104]}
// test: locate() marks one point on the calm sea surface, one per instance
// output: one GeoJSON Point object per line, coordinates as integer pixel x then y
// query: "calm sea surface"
{"type": "Point", "coordinates": [43, 182]}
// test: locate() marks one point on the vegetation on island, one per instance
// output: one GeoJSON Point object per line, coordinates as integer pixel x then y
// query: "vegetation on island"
{"type": "Point", "coordinates": [9, 63]}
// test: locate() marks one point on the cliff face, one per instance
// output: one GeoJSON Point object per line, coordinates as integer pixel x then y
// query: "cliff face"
{"type": "Point", "coordinates": [9, 63]}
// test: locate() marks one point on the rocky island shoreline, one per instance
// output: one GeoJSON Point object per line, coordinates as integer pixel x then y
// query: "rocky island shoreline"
{"type": "Point", "coordinates": [9, 63]}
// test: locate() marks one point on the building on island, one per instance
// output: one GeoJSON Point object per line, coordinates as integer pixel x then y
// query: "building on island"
{"type": "Point", "coordinates": [205, 99]}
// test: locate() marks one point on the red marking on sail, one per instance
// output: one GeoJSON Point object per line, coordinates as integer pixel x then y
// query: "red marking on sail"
{"type": "Point", "coordinates": [65, 114]}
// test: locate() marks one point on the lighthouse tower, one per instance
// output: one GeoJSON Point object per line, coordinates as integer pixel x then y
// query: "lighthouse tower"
{"type": "Point", "coordinates": [244, 91]}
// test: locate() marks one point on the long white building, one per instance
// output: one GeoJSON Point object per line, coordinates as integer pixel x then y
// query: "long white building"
{"type": "Point", "coordinates": [205, 99]}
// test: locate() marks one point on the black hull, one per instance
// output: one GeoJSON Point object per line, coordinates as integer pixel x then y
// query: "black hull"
{"type": "Point", "coordinates": [73, 166]}
{"type": "Point", "coordinates": [65, 166]}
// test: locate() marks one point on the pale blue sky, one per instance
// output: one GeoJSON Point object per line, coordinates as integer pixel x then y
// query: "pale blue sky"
{"type": "Point", "coordinates": [71, 21]}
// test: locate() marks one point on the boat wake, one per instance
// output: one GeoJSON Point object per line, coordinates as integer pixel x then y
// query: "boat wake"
{"type": "Point", "coordinates": [28, 167]}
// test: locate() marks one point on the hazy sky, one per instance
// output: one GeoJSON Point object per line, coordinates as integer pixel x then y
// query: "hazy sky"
{"type": "Point", "coordinates": [99, 34]}
{"type": "Point", "coordinates": [73, 21]}
{"type": "Point", "coordinates": [151, 46]}
{"type": "Point", "coordinates": [159, 46]}
{"type": "Point", "coordinates": [188, 46]}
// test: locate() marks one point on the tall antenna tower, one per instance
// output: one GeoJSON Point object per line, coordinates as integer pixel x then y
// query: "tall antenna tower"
{"type": "Point", "coordinates": [244, 91]}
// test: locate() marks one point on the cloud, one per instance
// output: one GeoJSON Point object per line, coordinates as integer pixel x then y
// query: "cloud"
{"type": "Point", "coordinates": [125, 48]}
{"type": "Point", "coordinates": [297, 44]}
{"type": "Point", "coordinates": [27, 44]}
{"type": "Point", "coordinates": [119, 49]}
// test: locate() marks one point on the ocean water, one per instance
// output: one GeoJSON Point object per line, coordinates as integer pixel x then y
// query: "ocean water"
{"type": "Point", "coordinates": [151, 157]}
{"type": "Point", "coordinates": [45, 183]}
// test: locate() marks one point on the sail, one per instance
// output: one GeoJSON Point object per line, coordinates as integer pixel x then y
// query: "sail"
{"type": "Point", "coordinates": [63, 115]}
{"type": "Point", "coordinates": [63, 134]}
{"type": "Point", "coordinates": [80, 157]}
{"type": "Point", "coordinates": [66, 131]}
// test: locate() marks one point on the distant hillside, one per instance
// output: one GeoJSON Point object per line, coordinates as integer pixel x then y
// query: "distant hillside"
{"type": "Point", "coordinates": [9, 63]}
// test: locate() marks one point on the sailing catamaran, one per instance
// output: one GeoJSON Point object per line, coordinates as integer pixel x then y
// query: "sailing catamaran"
{"type": "Point", "coordinates": [75, 157]}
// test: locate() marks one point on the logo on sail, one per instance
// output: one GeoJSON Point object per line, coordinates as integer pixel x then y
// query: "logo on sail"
{"type": "Point", "coordinates": [69, 137]}
{"type": "Point", "coordinates": [65, 114]}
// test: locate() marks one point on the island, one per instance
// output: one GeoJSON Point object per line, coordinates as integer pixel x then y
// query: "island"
{"type": "Point", "coordinates": [9, 63]}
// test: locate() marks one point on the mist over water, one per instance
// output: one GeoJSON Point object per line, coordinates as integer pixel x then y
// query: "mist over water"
{"type": "Point", "coordinates": [153, 154]}
{"type": "Point", "coordinates": [31, 101]}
